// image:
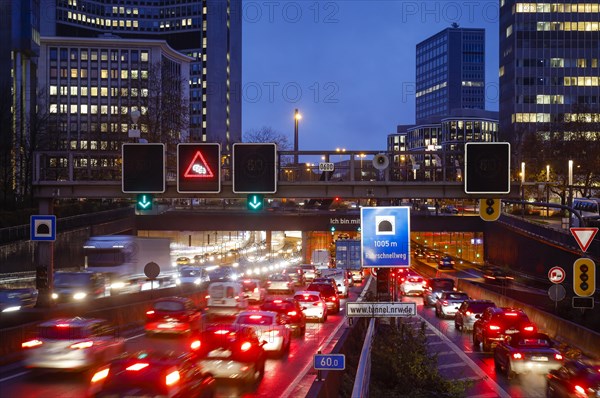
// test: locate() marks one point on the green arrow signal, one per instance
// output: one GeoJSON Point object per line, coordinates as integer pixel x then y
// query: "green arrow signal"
{"type": "Point", "coordinates": [255, 202]}
{"type": "Point", "coordinates": [144, 202]}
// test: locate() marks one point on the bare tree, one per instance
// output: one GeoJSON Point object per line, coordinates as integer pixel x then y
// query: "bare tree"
{"type": "Point", "coordinates": [268, 134]}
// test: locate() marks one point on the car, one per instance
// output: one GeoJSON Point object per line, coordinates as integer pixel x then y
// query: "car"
{"type": "Point", "coordinates": [280, 283]}
{"type": "Point", "coordinates": [231, 352]}
{"type": "Point", "coordinates": [432, 257]}
{"type": "Point", "coordinates": [449, 209]}
{"type": "Point", "coordinates": [331, 281]}
{"type": "Point", "coordinates": [254, 291]}
{"type": "Point", "coordinates": [313, 305]}
{"type": "Point", "coordinates": [420, 253]}
{"type": "Point", "coordinates": [78, 286]}
{"type": "Point", "coordinates": [340, 278]}
{"type": "Point", "coordinates": [271, 327]}
{"type": "Point", "coordinates": [183, 261]}
{"type": "Point", "coordinates": [173, 315]}
{"type": "Point", "coordinates": [412, 285]}
{"type": "Point", "coordinates": [296, 273]}
{"type": "Point", "coordinates": [577, 378]}
{"type": "Point", "coordinates": [17, 299]}
{"type": "Point", "coordinates": [349, 278]}
{"type": "Point", "coordinates": [526, 353]}
{"type": "Point", "coordinates": [191, 276]}
{"type": "Point", "coordinates": [448, 303]}
{"type": "Point", "coordinates": [495, 323]}
{"type": "Point", "coordinates": [221, 274]}
{"type": "Point", "coordinates": [446, 262]}
{"type": "Point", "coordinates": [292, 309]}
{"type": "Point", "coordinates": [310, 272]}
{"type": "Point", "coordinates": [433, 288]}
{"type": "Point", "coordinates": [465, 317]}
{"type": "Point", "coordinates": [225, 299]}
{"type": "Point", "coordinates": [357, 275]}
{"type": "Point", "coordinates": [329, 293]}
{"type": "Point", "coordinates": [71, 344]}
{"type": "Point", "coordinates": [496, 275]}
{"type": "Point", "coordinates": [152, 374]}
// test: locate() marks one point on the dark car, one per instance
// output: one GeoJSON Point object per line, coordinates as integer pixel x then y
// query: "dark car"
{"type": "Point", "coordinates": [297, 275]}
{"type": "Point", "coordinates": [576, 378]}
{"type": "Point", "coordinates": [221, 274]}
{"type": "Point", "coordinates": [433, 257]}
{"type": "Point", "coordinates": [331, 281]}
{"type": "Point", "coordinates": [329, 293]}
{"type": "Point", "coordinates": [446, 262]}
{"type": "Point", "coordinates": [466, 315]}
{"type": "Point", "coordinates": [231, 352]}
{"type": "Point", "coordinates": [434, 288]}
{"type": "Point", "coordinates": [449, 209]}
{"type": "Point", "coordinates": [152, 374]}
{"type": "Point", "coordinates": [173, 315]}
{"type": "Point", "coordinates": [526, 353]}
{"type": "Point", "coordinates": [497, 276]}
{"type": "Point", "coordinates": [17, 299]}
{"type": "Point", "coordinates": [420, 253]}
{"type": "Point", "coordinates": [289, 307]}
{"type": "Point", "coordinates": [78, 286]}
{"type": "Point", "coordinates": [496, 323]}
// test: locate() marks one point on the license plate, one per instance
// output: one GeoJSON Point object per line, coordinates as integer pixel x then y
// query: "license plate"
{"type": "Point", "coordinates": [219, 353]}
{"type": "Point", "coordinates": [539, 358]}
{"type": "Point", "coordinates": [165, 326]}
{"type": "Point", "coordinates": [512, 331]}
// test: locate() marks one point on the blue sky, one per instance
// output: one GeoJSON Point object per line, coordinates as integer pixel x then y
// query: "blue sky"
{"type": "Point", "coordinates": [347, 65]}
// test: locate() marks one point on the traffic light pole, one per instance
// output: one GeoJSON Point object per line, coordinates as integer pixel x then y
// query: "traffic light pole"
{"type": "Point", "coordinates": [44, 259]}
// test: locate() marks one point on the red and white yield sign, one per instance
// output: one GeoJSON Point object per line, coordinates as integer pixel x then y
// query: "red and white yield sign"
{"type": "Point", "coordinates": [584, 236]}
{"type": "Point", "coordinates": [556, 274]}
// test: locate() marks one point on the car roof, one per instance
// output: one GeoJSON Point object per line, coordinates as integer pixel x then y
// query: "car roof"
{"type": "Point", "coordinates": [77, 321]}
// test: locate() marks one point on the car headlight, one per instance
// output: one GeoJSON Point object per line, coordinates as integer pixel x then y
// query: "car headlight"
{"type": "Point", "coordinates": [79, 295]}
{"type": "Point", "coordinates": [54, 296]}
{"type": "Point", "coordinates": [12, 309]}
{"type": "Point", "coordinates": [117, 285]}
{"type": "Point", "coordinates": [197, 281]}
{"type": "Point", "coordinates": [178, 281]}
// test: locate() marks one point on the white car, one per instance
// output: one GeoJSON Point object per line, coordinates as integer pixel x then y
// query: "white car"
{"type": "Point", "coordinates": [310, 272]}
{"type": "Point", "coordinates": [192, 276]}
{"type": "Point", "coordinates": [72, 344]}
{"type": "Point", "coordinates": [449, 303]}
{"type": "Point", "coordinates": [280, 283]}
{"type": "Point", "coordinates": [254, 291]}
{"type": "Point", "coordinates": [313, 305]}
{"type": "Point", "coordinates": [413, 284]}
{"type": "Point", "coordinates": [270, 327]}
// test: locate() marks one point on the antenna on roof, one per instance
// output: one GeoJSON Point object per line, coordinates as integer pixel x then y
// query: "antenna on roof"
{"type": "Point", "coordinates": [454, 25]}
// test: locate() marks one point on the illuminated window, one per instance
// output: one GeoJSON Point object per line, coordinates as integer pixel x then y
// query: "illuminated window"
{"type": "Point", "coordinates": [53, 90]}
{"type": "Point", "coordinates": [144, 56]}
{"type": "Point", "coordinates": [84, 91]}
{"type": "Point", "coordinates": [84, 109]}
{"type": "Point", "coordinates": [74, 90]}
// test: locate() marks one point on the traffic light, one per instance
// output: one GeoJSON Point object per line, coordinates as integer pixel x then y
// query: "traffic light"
{"type": "Point", "coordinates": [489, 209]}
{"type": "Point", "coordinates": [143, 168]}
{"type": "Point", "coordinates": [144, 202]}
{"type": "Point", "coordinates": [199, 168]}
{"type": "Point", "coordinates": [584, 277]}
{"type": "Point", "coordinates": [255, 202]}
{"type": "Point", "coordinates": [41, 277]}
{"type": "Point", "coordinates": [487, 168]}
{"type": "Point", "coordinates": [254, 168]}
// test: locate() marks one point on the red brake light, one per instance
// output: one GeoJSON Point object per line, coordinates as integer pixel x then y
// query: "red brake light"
{"type": "Point", "coordinates": [221, 331]}
{"type": "Point", "coordinates": [528, 328]}
{"type": "Point", "coordinates": [494, 327]}
{"type": "Point", "coordinates": [246, 346]}
{"type": "Point", "coordinates": [468, 313]}
{"type": "Point", "coordinates": [292, 313]}
{"type": "Point", "coordinates": [195, 344]}
{"type": "Point", "coordinates": [31, 343]}
{"type": "Point", "coordinates": [558, 357]}
{"type": "Point", "coordinates": [62, 325]}
{"type": "Point", "coordinates": [517, 355]}
{"type": "Point", "coordinates": [137, 366]}
{"type": "Point", "coordinates": [579, 390]}
{"type": "Point", "coordinates": [82, 344]}
{"type": "Point", "coordinates": [319, 304]}
{"type": "Point", "coordinates": [100, 375]}
{"type": "Point", "coordinates": [151, 312]}
{"type": "Point", "coordinates": [247, 281]}
{"type": "Point", "coordinates": [172, 378]}
{"type": "Point", "coordinates": [278, 301]}
{"type": "Point", "coordinates": [445, 303]}
{"type": "Point", "coordinates": [511, 314]}
{"type": "Point", "coordinates": [255, 316]}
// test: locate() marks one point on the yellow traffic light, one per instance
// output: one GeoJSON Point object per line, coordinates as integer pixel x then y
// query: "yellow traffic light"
{"type": "Point", "coordinates": [489, 209]}
{"type": "Point", "coordinates": [584, 277]}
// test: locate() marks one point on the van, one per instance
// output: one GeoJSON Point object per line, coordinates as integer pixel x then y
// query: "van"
{"type": "Point", "coordinates": [77, 286]}
{"type": "Point", "coordinates": [340, 278]}
{"type": "Point", "coordinates": [226, 299]}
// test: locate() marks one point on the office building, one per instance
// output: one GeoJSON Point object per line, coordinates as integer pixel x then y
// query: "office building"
{"type": "Point", "coordinates": [450, 72]}
{"type": "Point", "coordinates": [549, 72]}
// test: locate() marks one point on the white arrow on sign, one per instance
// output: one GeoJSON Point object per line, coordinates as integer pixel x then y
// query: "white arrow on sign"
{"type": "Point", "coordinates": [584, 236]}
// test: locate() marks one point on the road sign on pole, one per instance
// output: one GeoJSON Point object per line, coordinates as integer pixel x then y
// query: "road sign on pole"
{"type": "Point", "coordinates": [489, 209]}
{"type": "Point", "coordinates": [199, 168]}
{"type": "Point", "coordinates": [254, 168]}
{"type": "Point", "coordinates": [329, 361]}
{"type": "Point", "coordinates": [584, 236]}
{"type": "Point", "coordinates": [43, 228]}
{"type": "Point", "coordinates": [556, 275]}
{"type": "Point", "coordinates": [584, 277]}
{"type": "Point", "coordinates": [487, 168]}
{"type": "Point", "coordinates": [143, 168]}
{"type": "Point", "coordinates": [385, 236]}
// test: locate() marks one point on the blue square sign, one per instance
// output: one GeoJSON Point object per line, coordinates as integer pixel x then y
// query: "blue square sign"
{"type": "Point", "coordinates": [43, 228]}
{"type": "Point", "coordinates": [385, 236]}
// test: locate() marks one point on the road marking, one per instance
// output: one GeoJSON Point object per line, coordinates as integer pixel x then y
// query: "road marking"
{"type": "Point", "coordinates": [13, 376]}
{"type": "Point", "coordinates": [469, 362]}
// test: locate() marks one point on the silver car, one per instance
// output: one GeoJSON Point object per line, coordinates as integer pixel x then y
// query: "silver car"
{"type": "Point", "coordinates": [448, 303]}
{"type": "Point", "coordinates": [467, 313]}
{"type": "Point", "coordinates": [280, 283]}
{"type": "Point", "coordinates": [72, 344]}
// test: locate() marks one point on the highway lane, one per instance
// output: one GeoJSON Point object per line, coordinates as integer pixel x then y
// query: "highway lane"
{"type": "Point", "coordinates": [16, 381]}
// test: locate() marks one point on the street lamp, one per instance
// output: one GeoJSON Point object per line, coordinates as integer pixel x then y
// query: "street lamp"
{"type": "Point", "coordinates": [297, 117]}
{"type": "Point", "coordinates": [134, 132]}
{"type": "Point", "coordinates": [570, 182]}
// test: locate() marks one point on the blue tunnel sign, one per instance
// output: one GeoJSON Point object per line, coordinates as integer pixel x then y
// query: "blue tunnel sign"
{"type": "Point", "coordinates": [385, 236]}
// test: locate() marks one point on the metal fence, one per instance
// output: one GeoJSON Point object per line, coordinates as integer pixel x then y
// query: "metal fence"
{"type": "Point", "coordinates": [363, 373]}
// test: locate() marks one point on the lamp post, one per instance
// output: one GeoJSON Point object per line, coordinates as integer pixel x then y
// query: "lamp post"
{"type": "Point", "coordinates": [548, 189]}
{"type": "Point", "coordinates": [362, 156]}
{"type": "Point", "coordinates": [297, 118]}
{"type": "Point", "coordinates": [134, 132]}
{"type": "Point", "coordinates": [570, 183]}
{"type": "Point", "coordinates": [523, 188]}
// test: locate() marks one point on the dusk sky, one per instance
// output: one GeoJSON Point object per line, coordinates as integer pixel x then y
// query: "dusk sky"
{"type": "Point", "coordinates": [347, 65]}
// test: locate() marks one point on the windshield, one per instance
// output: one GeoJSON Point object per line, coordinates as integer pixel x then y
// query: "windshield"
{"type": "Point", "coordinates": [479, 307]}
{"type": "Point", "coordinates": [278, 307]}
{"type": "Point", "coordinates": [327, 290]}
{"type": "Point", "coordinates": [74, 279]}
{"type": "Point", "coordinates": [442, 285]}
{"type": "Point", "coordinates": [169, 306]}
{"type": "Point", "coordinates": [61, 332]}
{"type": "Point", "coordinates": [190, 272]}
{"type": "Point", "coordinates": [306, 298]}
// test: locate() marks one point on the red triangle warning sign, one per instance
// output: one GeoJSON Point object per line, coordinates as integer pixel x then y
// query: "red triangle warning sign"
{"type": "Point", "coordinates": [584, 236]}
{"type": "Point", "coordinates": [198, 168]}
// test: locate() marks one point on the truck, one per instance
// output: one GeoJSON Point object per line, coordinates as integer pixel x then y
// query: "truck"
{"type": "Point", "coordinates": [320, 258]}
{"type": "Point", "coordinates": [122, 258]}
{"type": "Point", "coordinates": [347, 256]}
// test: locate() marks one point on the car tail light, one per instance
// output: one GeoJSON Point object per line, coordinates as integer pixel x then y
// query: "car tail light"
{"type": "Point", "coordinates": [332, 298]}
{"type": "Point", "coordinates": [137, 366]}
{"type": "Point", "coordinates": [255, 316]}
{"type": "Point", "coordinates": [558, 357]}
{"type": "Point", "coordinates": [292, 313]}
{"type": "Point", "coordinates": [468, 313]}
{"type": "Point", "coordinates": [580, 390]}
{"type": "Point", "coordinates": [31, 343]}
{"type": "Point", "coordinates": [172, 378]}
{"type": "Point", "coordinates": [289, 283]}
{"type": "Point", "coordinates": [247, 281]}
{"type": "Point", "coordinates": [511, 314]}
{"type": "Point", "coordinates": [494, 327]}
{"type": "Point", "coordinates": [207, 296]}
{"type": "Point", "coordinates": [63, 325]}
{"type": "Point", "coordinates": [195, 344]}
{"type": "Point", "coordinates": [268, 282]}
{"type": "Point", "coordinates": [81, 345]}
{"type": "Point", "coordinates": [100, 375]}
{"type": "Point", "coordinates": [278, 301]}
{"type": "Point", "coordinates": [246, 345]}
{"type": "Point", "coordinates": [445, 303]}
{"type": "Point", "coordinates": [319, 304]}
{"type": "Point", "coordinates": [517, 355]}
{"type": "Point", "coordinates": [151, 312]}
{"type": "Point", "coordinates": [528, 328]}
{"type": "Point", "coordinates": [255, 290]}
{"type": "Point", "coordinates": [221, 331]}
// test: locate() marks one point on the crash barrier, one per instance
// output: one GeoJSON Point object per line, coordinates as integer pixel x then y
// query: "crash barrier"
{"type": "Point", "coordinates": [363, 373]}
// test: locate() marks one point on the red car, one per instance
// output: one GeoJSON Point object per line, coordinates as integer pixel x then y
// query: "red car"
{"type": "Point", "coordinates": [291, 309]}
{"type": "Point", "coordinates": [498, 322]}
{"type": "Point", "coordinates": [173, 315]}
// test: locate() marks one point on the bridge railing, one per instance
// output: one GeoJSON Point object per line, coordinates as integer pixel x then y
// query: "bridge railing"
{"type": "Point", "coordinates": [363, 373]}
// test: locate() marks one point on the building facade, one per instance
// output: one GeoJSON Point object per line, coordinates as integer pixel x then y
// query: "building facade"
{"type": "Point", "coordinates": [208, 31]}
{"type": "Point", "coordinates": [549, 71]}
{"type": "Point", "coordinates": [450, 72]}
